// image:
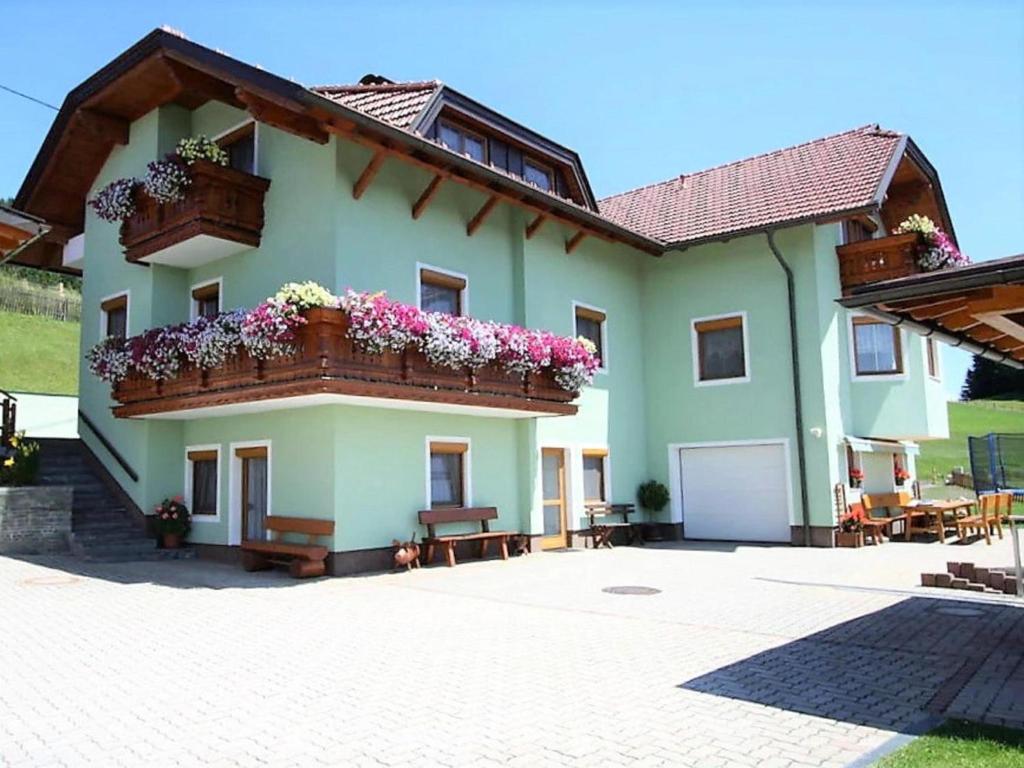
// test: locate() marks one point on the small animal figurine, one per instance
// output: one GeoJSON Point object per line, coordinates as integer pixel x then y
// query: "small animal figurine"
{"type": "Point", "coordinates": [520, 545]}
{"type": "Point", "coordinates": [407, 553]}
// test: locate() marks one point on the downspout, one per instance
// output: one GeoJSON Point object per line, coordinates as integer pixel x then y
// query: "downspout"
{"type": "Point", "coordinates": [798, 409]}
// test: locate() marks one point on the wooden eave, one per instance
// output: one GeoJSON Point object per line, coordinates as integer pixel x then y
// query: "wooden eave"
{"type": "Point", "coordinates": [164, 68]}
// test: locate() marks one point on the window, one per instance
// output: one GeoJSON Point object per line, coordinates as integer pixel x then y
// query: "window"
{"type": "Point", "coordinates": [594, 475]}
{"type": "Point", "coordinates": [442, 291]}
{"type": "Point", "coordinates": [201, 481]}
{"type": "Point", "coordinates": [240, 144]}
{"type": "Point", "coordinates": [590, 324]}
{"type": "Point", "coordinates": [856, 230]}
{"type": "Point", "coordinates": [720, 349]}
{"type": "Point", "coordinates": [538, 175]}
{"type": "Point", "coordinates": [463, 141]}
{"type": "Point", "coordinates": [206, 299]}
{"type": "Point", "coordinates": [114, 317]}
{"type": "Point", "coordinates": [931, 349]}
{"type": "Point", "coordinates": [876, 348]}
{"type": "Point", "coordinates": [447, 474]}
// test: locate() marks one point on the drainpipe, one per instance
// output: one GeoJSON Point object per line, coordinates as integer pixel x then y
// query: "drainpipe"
{"type": "Point", "coordinates": [798, 409]}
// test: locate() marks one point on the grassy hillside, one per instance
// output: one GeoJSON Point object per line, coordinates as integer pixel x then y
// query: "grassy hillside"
{"type": "Point", "coordinates": [978, 417]}
{"type": "Point", "coordinates": [38, 354]}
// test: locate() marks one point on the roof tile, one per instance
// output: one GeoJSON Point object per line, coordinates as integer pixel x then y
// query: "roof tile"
{"type": "Point", "coordinates": [396, 103]}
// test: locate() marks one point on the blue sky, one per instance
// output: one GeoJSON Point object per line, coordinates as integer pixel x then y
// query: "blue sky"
{"type": "Point", "coordinates": [643, 91]}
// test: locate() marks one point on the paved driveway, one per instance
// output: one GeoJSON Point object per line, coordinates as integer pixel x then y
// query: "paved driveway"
{"type": "Point", "coordinates": [748, 656]}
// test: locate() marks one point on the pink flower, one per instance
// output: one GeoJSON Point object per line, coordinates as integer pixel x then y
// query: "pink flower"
{"type": "Point", "coordinates": [179, 499]}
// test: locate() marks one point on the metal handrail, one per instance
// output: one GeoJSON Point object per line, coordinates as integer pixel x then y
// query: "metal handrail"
{"type": "Point", "coordinates": [109, 446]}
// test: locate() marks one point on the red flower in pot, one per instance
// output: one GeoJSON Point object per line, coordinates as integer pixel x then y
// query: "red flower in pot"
{"type": "Point", "coordinates": [856, 477]}
{"type": "Point", "coordinates": [901, 475]}
{"type": "Point", "coordinates": [173, 522]}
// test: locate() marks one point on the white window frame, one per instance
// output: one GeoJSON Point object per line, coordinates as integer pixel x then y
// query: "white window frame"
{"type": "Point", "coordinates": [695, 350]}
{"type": "Point", "coordinates": [235, 492]}
{"type": "Point", "coordinates": [938, 358]}
{"type": "Point", "coordinates": [215, 518]}
{"type": "Point", "coordinates": [607, 471]}
{"type": "Point", "coordinates": [605, 355]}
{"type": "Point", "coordinates": [463, 294]}
{"type": "Point", "coordinates": [127, 293]}
{"type": "Point", "coordinates": [193, 311]}
{"type": "Point", "coordinates": [852, 344]}
{"type": "Point", "coordinates": [255, 140]}
{"type": "Point", "coordinates": [467, 468]}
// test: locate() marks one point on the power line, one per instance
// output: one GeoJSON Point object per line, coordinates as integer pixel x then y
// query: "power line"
{"type": "Point", "coordinates": [26, 96]}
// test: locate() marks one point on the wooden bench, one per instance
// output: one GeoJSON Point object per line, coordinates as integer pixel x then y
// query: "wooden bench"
{"type": "Point", "coordinates": [601, 532]}
{"type": "Point", "coordinates": [449, 515]}
{"type": "Point", "coordinates": [878, 514]}
{"type": "Point", "coordinates": [303, 560]}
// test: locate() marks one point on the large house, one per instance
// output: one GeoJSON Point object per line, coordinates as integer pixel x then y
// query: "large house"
{"type": "Point", "coordinates": [728, 370]}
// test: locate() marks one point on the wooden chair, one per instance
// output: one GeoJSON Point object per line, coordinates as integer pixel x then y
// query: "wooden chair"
{"type": "Point", "coordinates": [988, 518]}
{"type": "Point", "coordinates": [600, 532]}
{"type": "Point", "coordinates": [878, 511]}
{"type": "Point", "coordinates": [303, 560]}
{"type": "Point", "coordinates": [482, 515]}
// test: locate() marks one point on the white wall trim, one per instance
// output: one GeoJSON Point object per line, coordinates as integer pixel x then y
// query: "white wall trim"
{"type": "Point", "coordinates": [193, 310]}
{"type": "Point", "coordinates": [605, 353]}
{"type": "Point", "coordinates": [255, 141]}
{"type": "Point", "coordinates": [852, 345]}
{"type": "Point", "coordinates": [188, 482]}
{"type": "Point", "coordinates": [675, 471]}
{"type": "Point", "coordinates": [463, 294]}
{"type": "Point", "coordinates": [127, 293]}
{"type": "Point", "coordinates": [695, 350]}
{"type": "Point", "coordinates": [235, 495]}
{"type": "Point", "coordinates": [467, 467]}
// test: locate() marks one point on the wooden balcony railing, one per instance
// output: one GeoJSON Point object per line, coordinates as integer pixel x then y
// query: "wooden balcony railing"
{"type": "Point", "coordinates": [869, 261]}
{"type": "Point", "coordinates": [221, 203]}
{"type": "Point", "coordinates": [326, 362]}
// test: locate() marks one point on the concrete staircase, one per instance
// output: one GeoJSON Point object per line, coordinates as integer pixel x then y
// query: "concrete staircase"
{"type": "Point", "coordinates": [102, 528]}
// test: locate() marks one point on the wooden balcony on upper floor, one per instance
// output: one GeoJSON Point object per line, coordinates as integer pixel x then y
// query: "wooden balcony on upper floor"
{"type": "Point", "coordinates": [220, 214]}
{"type": "Point", "coordinates": [326, 367]}
{"type": "Point", "coordinates": [870, 261]}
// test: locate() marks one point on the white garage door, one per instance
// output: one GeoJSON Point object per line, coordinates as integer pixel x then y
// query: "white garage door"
{"type": "Point", "coordinates": [735, 493]}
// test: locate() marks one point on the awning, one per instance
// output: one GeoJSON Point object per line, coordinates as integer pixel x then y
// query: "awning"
{"type": "Point", "coordinates": [978, 308]}
{"type": "Point", "coordinates": [868, 445]}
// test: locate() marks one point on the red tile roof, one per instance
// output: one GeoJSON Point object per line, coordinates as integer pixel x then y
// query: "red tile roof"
{"type": "Point", "coordinates": [826, 176]}
{"type": "Point", "coordinates": [396, 103]}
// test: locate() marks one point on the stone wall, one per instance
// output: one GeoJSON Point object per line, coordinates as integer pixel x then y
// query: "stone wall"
{"type": "Point", "coordinates": [35, 519]}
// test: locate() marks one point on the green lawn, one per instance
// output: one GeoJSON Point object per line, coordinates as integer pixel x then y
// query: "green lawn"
{"type": "Point", "coordinates": [959, 744]}
{"type": "Point", "coordinates": [38, 354]}
{"type": "Point", "coordinates": [978, 417]}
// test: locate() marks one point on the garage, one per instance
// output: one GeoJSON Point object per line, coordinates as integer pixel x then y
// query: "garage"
{"type": "Point", "coordinates": [734, 492]}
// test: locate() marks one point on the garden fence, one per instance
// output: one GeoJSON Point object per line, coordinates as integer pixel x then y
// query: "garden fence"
{"type": "Point", "coordinates": [47, 302]}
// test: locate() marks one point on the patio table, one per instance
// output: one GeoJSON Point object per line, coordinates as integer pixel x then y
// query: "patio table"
{"type": "Point", "coordinates": [934, 514]}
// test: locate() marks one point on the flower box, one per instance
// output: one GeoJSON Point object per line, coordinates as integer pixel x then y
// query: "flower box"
{"type": "Point", "coordinates": [850, 539]}
{"type": "Point", "coordinates": [219, 213]}
{"type": "Point", "coordinates": [885, 258]}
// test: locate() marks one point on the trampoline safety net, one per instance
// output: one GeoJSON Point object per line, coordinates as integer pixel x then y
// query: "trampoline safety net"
{"type": "Point", "coordinates": [997, 463]}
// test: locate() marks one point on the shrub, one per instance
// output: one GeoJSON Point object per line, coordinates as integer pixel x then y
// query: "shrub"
{"type": "Point", "coordinates": [172, 517]}
{"type": "Point", "coordinates": [19, 461]}
{"type": "Point", "coordinates": [652, 495]}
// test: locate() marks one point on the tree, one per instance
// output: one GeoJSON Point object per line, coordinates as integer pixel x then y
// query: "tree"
{"type": "Point", "coordinates": [987, 378]}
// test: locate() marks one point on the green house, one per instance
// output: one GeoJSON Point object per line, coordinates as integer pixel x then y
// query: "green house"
{"type": "Point", "coordinates": [728, 371]}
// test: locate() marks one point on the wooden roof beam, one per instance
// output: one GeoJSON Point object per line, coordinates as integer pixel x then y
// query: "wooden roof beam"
{"type": "Point", "coordinates": [369, 174]}
{"type": "Point", "coordinates": [534, 226]}
{"type": "Point", "coordinates": [906, 305]}
{"type": "Point", "coordinates": [986, 335]}
{"type": "Point", "coordinates": [106, 128]}
{"type": "Point", "coordinates": [481, 215]}
{"type": "Point", "coordinates": [573, 243]}
{"type": "Point", "coordinates": [960, 321]}
{"type": "Point", "coordinates": [286, 120]}
{"type": "Point", "coordinates": [937, 311]}
{"type": "Point", "coordinates": [428, 194]}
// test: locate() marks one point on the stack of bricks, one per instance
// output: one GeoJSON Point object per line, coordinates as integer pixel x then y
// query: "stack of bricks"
{"type": "Point", "coordinates": [973, 578]}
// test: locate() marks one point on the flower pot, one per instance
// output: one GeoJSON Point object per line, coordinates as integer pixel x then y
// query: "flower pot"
{"type": "Point", "coordinates": [851, 539]}
{"type": "Point", "coordinates": [171, 540]}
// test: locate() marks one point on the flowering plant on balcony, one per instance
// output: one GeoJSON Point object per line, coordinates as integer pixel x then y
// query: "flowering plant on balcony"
{"type": "Point", "coordinates": [207, 342]}
{"type": "Point", "coordinates": [269, 329]}
{"type": "Point", "coordinates": [937, 250]}
{"type": "Point", "coordinates": [156, 353]}
{"type": "Point", "coordinates": [307, 295]}
{"type": "Point", "coordinates": [109, 359]}
{"type": "Point", "coordinates": [201, 148]}
{"type": "Point", "coordinates": [165, 180]}
{"type": "Point", "coordinates": [116, 201]}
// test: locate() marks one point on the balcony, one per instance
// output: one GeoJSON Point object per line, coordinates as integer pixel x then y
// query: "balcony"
{"type": "Point", "coordinates": [327, 368]}
{"type": "Point", "coordinates": [870, 261]}
{"type": "Point", "coordinates": [220, 215]}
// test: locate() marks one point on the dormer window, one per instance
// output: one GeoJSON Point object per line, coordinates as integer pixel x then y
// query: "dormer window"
{"type": "Point", "coordinates": [538, 175]}
{"type": "Point", "coordinates": [463, 141]}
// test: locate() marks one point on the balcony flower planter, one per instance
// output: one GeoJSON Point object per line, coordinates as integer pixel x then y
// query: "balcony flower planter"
{"type": "Point", "coordinates": [220, 212]}
{"type": "Point", "coordinates": [885, 258]}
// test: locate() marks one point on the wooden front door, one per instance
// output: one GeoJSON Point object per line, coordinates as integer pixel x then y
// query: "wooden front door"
{"type": "Point", "coordinates": [255, 487]}
{"type": "Point", "coordinates": [554, 501]}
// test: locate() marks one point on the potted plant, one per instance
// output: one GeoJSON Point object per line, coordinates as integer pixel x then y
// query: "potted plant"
{"type": "Point", "coordinates": [856, 477]}
{"type": "Point", "coordinates": [851, 528]}
{"type": "Point", "coordinates": [653, 496]}
{"type": "Point", "coordinates": [173, 522]}
{"type": "Point", "coordinates": [901, 476]}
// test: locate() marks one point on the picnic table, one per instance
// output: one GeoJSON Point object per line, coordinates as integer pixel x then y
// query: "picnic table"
{"type": "Point", "coordinates": [933, 514]}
